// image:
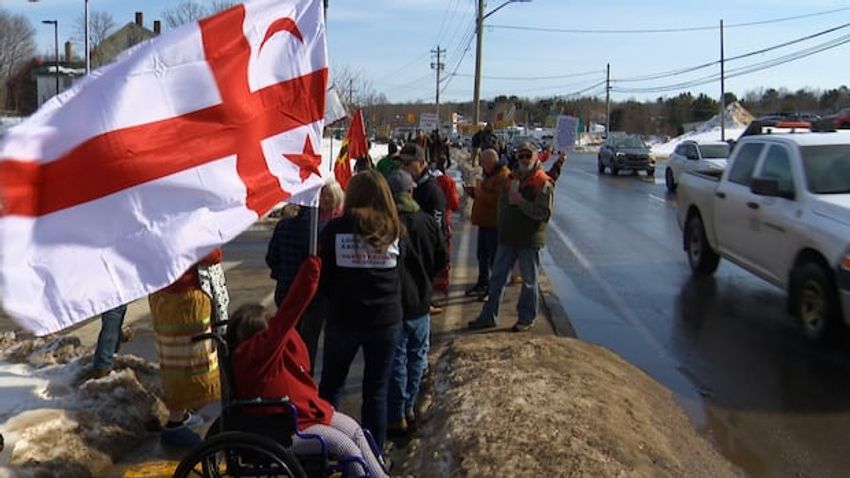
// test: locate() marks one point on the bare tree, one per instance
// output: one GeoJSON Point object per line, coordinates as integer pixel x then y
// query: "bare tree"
{"type": "Point", "coordinates": [355, 89]}
{"type": "Point", "coordinates": [190, 10]}
{"type": "Point", "coordinates": [101, 25]}
{"type": "Point", "coordinates": [17, 45]}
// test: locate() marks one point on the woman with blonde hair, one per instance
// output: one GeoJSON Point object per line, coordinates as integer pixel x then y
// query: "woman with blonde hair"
{"type": "Point", "coordinates": [361, 252]}
{"type": "Point", "coordinates": [289, 247]}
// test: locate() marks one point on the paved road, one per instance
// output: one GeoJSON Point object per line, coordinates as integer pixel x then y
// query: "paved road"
{"type": "Point", "coordinates": [771, 402]}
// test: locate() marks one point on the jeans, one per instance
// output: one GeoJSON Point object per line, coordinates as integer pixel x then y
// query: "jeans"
{"type": "Point", "coordinates": [341, 345]}
{"type": "Point", "coordinates": [529, 266]}
{"type": "Point", "coordinates": [411, 357]}
{"type": "Point", "coordinates": [488, 242]}
{"type": "Point", "coordinates": [109, 340]}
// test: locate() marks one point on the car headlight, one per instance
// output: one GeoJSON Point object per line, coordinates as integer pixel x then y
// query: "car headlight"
{"type": "Point", "coordinates": [620, 154]}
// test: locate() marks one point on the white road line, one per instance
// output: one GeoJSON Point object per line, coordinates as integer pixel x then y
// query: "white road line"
{"type": "Point", "coordinates": [622, 309]}
{"type": "Point", "coordinates": [658, 199]}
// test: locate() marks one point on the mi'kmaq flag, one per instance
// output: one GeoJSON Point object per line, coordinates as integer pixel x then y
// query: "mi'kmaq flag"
{"type": "Point", "coordinates": [116, 187]}
{"type": "Point", "coordinates": [353, 146]}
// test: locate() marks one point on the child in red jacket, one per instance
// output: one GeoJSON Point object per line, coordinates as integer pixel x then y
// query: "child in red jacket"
{"type": "Point", "coordinates": [270, 360]}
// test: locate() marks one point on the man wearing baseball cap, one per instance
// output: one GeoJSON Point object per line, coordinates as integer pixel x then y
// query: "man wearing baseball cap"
{"type": "Point", "coordinates": [524, 212]}
{"type": "Point", "coordinates": [427, 194]}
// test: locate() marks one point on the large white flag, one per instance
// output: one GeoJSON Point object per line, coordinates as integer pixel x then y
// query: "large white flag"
{"type": "Point", "coordinates": [116, 187]}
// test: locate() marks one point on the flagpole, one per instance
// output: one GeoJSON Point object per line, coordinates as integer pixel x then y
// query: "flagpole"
{"type": "Point", "coordinates": [314, 229]}
{"type": "Point", "coordinates": [314, 212]}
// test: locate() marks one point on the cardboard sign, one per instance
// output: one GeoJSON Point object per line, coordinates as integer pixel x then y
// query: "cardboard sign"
{"type": "Point", "coordinates": [427, 122]}
{"type": "Point", "coordinates": [566, 133]}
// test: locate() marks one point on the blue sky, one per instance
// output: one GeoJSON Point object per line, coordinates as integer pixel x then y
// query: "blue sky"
{"type": "Point", "coordinates": [388, 43]}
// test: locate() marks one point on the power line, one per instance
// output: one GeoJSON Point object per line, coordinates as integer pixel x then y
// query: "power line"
{"type": "Point", "coordinates": [664, 30]}
{"type": "Point", "coordinates": [681, 71]}
{"type": "Point", "coordinates": [532, 78]}
{"type": "Point", "coordinates": [744, 70]}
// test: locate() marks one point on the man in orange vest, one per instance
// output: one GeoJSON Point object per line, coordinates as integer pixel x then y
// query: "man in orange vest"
{"type": "Point", "coordinates": [524, 211]}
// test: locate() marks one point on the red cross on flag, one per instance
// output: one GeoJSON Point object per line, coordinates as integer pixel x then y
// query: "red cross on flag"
{"type": "Point", "coordinates": [116, 187]}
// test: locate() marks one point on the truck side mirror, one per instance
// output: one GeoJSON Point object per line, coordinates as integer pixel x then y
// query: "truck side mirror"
{"type": "Point", "coordinates": [769, 187]}
{"type": "Point", "coordinates": [693, 156]}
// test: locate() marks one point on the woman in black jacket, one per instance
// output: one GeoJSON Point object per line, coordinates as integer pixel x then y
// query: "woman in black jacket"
{"type": "Point", "coordinates": [361, 252]}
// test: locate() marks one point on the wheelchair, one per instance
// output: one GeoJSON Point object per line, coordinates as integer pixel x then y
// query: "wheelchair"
{"type": "Point", "coordinates": [243, 445]}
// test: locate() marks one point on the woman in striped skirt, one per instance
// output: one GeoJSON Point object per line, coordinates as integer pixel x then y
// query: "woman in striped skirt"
{"type": "Point", "coordinates": [189, 371]}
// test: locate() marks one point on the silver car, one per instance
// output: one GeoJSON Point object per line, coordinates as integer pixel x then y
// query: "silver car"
{"type": "Point", "coordinates": [693, 156]}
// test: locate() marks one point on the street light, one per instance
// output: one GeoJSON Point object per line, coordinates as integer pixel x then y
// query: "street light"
{"type": "Point", "coordinates": [55, 24]}
{"type": "Point", "coordinates": [85, 32]}
{"type": "Point", "coordinates": [479, 28]}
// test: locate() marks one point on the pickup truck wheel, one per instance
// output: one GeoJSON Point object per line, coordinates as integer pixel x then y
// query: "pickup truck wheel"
{"type": "Point", "coordinates": [669, 181]}
{"type": "Point", "coordinates": [816, 302]}
{"type": "Point", "coordinates": [701, 257]}
{"type": "Point", "coordinates": [600, 166]}
{"type": "Point", "coordinates": [650, 172]}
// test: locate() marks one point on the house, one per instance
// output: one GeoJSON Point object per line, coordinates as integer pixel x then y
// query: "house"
{"type": "Point", "coordinates": [130, 34]}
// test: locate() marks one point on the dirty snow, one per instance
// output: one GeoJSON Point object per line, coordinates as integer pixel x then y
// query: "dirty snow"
{"type": "Point", "coordinates": [56, 422]}
{"type": "Point", "coordinates": [513, 405]}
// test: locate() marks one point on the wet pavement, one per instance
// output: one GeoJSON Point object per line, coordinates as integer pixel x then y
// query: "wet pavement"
{"type": "Point", "coordinates": [771, 402]}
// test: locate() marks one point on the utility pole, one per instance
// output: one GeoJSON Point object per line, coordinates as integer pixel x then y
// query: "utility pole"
{"type": "Point", "coordinates": [607, 99]}
{"type": "Point", "coordinates": [439, 66]}
{"type": "Point", "coordinates": [479, 30]}
{"type": "Point", "coordinates": [86, 35]}
{"type": "Point", "coordinates": [351, 92]}
{"type": "Point", "coordinates": [722, 87]}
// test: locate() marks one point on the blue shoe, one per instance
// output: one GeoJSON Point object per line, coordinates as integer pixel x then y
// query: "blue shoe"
{"type": "Point", "coordinates": [180, 436]}
{"type": "Point", "coordinates": [193, 420]}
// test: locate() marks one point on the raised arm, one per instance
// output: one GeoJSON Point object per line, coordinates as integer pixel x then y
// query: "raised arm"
{"type": "Point", "coordinates": [297, 298]}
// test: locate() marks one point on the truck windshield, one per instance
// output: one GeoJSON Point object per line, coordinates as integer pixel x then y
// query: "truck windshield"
{"type": "Point", "coordinates": [827, 168]}
{"type": "Point", "coordinates": [714, 151]}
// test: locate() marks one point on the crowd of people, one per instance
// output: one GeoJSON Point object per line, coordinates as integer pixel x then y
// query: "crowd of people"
{"type": "Point", "coordinates": [384, 247]}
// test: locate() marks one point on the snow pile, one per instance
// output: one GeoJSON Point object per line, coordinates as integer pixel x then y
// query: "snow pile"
{"type": "Point", "coordinates": [7, 122]}
{"type": "Point", "coordinates": [737, 119]}
{"type": "Point", "coordinates": [56, 422]}
{"type": "Point", "coordinates": [548, 406]}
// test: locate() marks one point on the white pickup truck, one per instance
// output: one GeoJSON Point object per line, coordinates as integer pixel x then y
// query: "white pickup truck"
{"type": "Point", "coordinates": [780, 210]}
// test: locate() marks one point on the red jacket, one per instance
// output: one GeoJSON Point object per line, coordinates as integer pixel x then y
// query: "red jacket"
{"type": "Point", "coordinates": [275, 363]}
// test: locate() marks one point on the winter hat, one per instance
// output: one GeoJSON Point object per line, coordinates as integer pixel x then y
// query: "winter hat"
{"type": "Point", "coordinates": [412, 152]}
{"type": "Point", "coordinates": [400, 181]}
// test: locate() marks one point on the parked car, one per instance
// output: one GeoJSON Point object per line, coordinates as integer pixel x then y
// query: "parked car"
{"type": "Point", "coordinates": [620, 152]}
{"type": "Point", "coordinates": [692, 156]}
{"type": "Point", "coordinates": [780, 210]}
{"type": "Point", "coordinates": [839, 120]}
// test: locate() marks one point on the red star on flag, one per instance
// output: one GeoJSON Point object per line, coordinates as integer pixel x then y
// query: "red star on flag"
{"type": "Point", "coordinates": [308, 161]}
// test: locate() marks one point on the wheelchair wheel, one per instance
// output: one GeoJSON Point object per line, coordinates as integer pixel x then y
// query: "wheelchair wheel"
{"type": "Point", "coordinates": [238, 455]}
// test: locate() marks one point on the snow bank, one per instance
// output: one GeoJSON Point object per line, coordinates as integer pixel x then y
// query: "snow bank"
{"type": "Point", "coordinates": [737, 118]}
{"type": "Point", "coordinates": [548, 406]}
{"type": "Point", "coordinates": [56, 422]}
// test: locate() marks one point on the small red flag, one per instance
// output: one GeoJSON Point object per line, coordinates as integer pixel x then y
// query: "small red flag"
{"type": "Point", "coordinates": [353, 146]}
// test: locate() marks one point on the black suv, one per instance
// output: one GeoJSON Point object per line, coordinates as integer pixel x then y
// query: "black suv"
{"type": "Point", "coordinates": [625, 152]}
